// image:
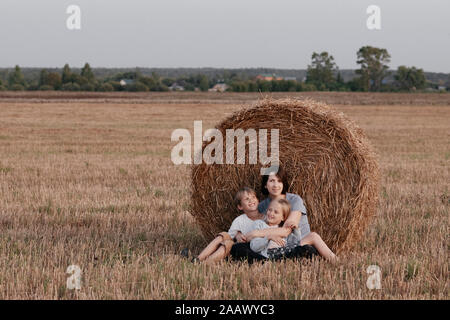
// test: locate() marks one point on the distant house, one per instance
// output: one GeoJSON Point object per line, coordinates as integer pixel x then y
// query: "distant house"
{"type": "Point", "coordinates": [219, 87]}
{"type": "Point", "coordinates": [268, 77]}
{"type": "Point", "coordinates": [290, 78]}
{"type": "Point", "coordinates": [126, 82]}
{"type": "Point", "coordinates": [176, 87]}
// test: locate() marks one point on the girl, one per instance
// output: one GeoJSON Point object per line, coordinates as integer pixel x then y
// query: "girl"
{"type": "Point", "coordinates": [277, 213]}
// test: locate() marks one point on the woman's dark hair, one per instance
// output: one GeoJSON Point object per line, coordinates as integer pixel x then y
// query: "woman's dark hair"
{"type": "Point", "coordinates": [281, 174]}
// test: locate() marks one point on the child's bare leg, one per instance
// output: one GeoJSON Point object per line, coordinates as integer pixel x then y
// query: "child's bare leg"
{"type": "Point", "coordinates": [315, 240]}
{"type": "Point", "coordinates": [210, 248]}
{"type": "Point", "coordinates": [222, 252]}
{"type": "Point", "coordinates": [217, 255]}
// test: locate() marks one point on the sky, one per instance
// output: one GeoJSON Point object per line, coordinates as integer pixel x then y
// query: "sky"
{"type": "Point", "coordinates": [222, 34]}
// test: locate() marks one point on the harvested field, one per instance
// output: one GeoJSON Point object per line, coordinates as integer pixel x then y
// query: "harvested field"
{"type": "Point", "coordinates": [333, 98]}
{"type": "Point", "coordinates": [91, 183]}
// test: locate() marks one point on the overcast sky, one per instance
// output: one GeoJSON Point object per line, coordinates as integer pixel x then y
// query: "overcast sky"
{"type": "Point", "coordinates": [225, 33]}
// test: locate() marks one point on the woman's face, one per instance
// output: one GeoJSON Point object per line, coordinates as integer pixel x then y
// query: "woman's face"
{"type": "Point", "coordinates": [274, 214]}
{"type": "Point", "coordinates": [274, 185]}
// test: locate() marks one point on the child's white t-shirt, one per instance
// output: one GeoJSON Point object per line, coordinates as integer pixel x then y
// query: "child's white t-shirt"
{"type": "Point", "coordinates": [243, 224]}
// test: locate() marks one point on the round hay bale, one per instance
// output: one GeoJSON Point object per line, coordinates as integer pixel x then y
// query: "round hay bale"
{"type": "Point", "coordinates": [328, 160]}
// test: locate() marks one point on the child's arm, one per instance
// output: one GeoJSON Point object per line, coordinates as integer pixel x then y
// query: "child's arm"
{"type": "Point", "coordinates": [240, 237]}
{"type": "Point", "coordinates": [269, 232]}
{"type": "Point", "coordinates": [259, 244]}
{"type": "Point", "coordinates": [235, 228]}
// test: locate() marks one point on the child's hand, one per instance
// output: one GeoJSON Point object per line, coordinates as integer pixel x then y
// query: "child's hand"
{"type": "Point", "coordinates": [240, 238]}
{"type": "Point", "coordinates": [278, 240]}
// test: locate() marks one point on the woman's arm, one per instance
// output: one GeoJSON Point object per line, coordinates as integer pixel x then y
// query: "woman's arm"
{"type": "Point", "coordinates": [293, 220]}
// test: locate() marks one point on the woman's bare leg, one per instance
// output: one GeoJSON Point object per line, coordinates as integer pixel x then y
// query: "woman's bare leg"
{"type": "Point", "coordinates": [315, 240]}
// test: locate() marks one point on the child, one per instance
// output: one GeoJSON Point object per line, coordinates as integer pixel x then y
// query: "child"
{"type": "Point", "coordinates": [220, 247]}
{"type": "Point", "coordinates": [292, 246]}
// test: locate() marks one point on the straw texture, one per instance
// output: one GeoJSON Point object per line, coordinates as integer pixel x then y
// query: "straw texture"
{"type": "Point", "coordinates": [329, 163]}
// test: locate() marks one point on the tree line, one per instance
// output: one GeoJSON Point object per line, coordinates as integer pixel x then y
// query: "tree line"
{"type": "Point", "coordinates": [322, 75]}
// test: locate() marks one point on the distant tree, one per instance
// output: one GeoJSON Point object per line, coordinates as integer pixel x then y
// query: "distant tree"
{"type": "Point", "coordinates": [33, 85]}
{"type": "Point", "coordinates": [168, 81]}
{"type": "Point", "coordinates": [357, 84]}
{"type": "Point", "coordinates": [116, 85]}
{"type": "Point", "coordinates": [339, 85]}
{"type": "Point", "coordinates": [263, 86]}
{"type": "Point", "coordinates": [54, 80]}
{"type": "Point", "coordinates": [137, 87]}
{"type": "Point", "coordinates": [239, 86]}
{"type": "Point", "coordinates": [203, 84]}
{"type": "Point", "coordinates": [2, 87]}
{"type": "Point", "coordinates": [87, 73]}
{"type": "Point", "coordinates": [291, 85]}
{"type": "Point", "coordinates": [308, 87]}
{"type": "Point", "coordinates": [71, 87]}
{"type": "Point", "coordinates": [150, 82]}
{"type": "Point", "coordinates": [409, 78]}
{"type": "Point", "coordinates": [374, 67]}
{"type": "Point", "coordinates": [106, 87]}
{"type": "Point", "coordinates": [43, 77]}
{"type": "Point", "coordinates": [252, 86]}
{"type": "Point", "coordinates": [132, 75]}
{"type": "Point", "coordinates": [156, 77]}
{"type": "Point", "coordinates": [78, 79]}
{"type": "Point", "coordinates": [189, 86]}
{"type": "Point", "coordinates": [17, 87]}
{"type": "Point", "coordinates": [321, 71]}
{"type": "Point", "coordinates": [87, 87]}
{"type": "Point", "coordinates": [51, 79]}
{"type": "Point", "coordinates": [16, 78]}
{"type": "Point", "coordinates": [46, 87]}
{"type": "Point", "coordinates": [162, 87]}
{"type": "Point", "coordinates": [66, 74]}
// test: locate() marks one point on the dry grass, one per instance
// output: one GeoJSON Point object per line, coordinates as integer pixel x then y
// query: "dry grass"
{"type": "Point", "coordinates": [93, 185]}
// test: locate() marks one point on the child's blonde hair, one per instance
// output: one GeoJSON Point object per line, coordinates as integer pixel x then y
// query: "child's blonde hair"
{"type": "Point", "coordinates": [240, 194]}
{"type": "Point", "coordinates": [285, 207]}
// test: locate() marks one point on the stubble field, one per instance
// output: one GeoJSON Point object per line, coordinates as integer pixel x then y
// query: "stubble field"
{"type": "Point", "coordinates": [91, 183]}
